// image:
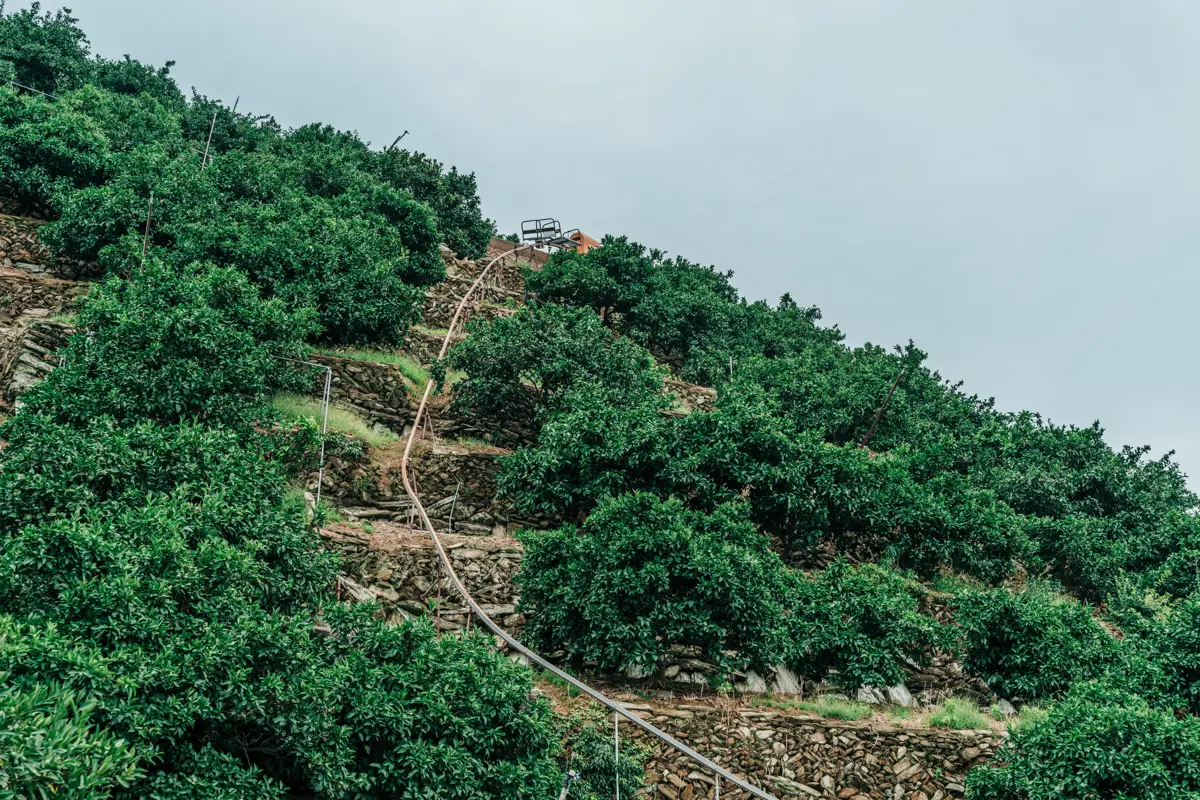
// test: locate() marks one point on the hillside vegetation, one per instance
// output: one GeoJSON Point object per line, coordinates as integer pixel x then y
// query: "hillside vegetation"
{"type": "Point", "coordinates": [168, 615]}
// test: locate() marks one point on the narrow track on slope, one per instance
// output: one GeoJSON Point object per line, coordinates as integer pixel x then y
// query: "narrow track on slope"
{"type": "Point", "coordinates": [487, 621]}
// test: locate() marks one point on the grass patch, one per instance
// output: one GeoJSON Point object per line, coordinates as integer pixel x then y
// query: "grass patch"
{"type": "Point", "coordinates": [439, 332]}
{"type": "Point", "coordinates": [837, 709]}
{"type": "Point", "coordinates": [64, 319]}
{"type": "Point", "coordinates": [554, 680]}
{"type": "Point", "coordinates": [958, 714]}
{"type": "Point", "coordinates": [409, 367]}
{"type": "Point", "coordinates": [1030, 715]}
{"type": "Point", "coordinates": [294, 406]}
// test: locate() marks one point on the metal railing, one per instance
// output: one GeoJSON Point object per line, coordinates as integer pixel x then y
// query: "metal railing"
{"type": "Point", "coordinates": [617, 709]}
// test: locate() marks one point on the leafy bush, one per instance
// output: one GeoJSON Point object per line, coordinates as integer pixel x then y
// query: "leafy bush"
{"type": "Point", "coordinates": [599, 445]}
{"type": "Point", "coordinates": [857, 626]}
{"type": "Point", "coordinates": [161, 570]}
{"type": "Point", "coordinates": [173, 347]}
{"type": "Point", "coordinates": [1031, 644]}
{"type": "Point", "coordinates": [588, 750]}
{"type": "Point", "coordinates": [644, 574]}
{"type": "Point", "coordinates": [48, 747]}
{"type": "Point", "coordinates": [539, 353]}
{"type": "Point", "coordinates": [1098, 742]}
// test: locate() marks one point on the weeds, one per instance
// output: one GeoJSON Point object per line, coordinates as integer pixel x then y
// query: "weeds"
{"type": "Point", "coordinates": [294, 406]}
{"type": "Point", "coordinates": [408, 366]}
{"type": "Point", "coordinates": [958, 714]}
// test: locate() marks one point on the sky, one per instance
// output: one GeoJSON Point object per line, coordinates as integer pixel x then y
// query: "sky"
{"type": "Point", "coordinates": [1014, 186]}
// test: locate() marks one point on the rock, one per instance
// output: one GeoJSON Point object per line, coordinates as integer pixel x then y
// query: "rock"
{"type": "Point", "coordinates": [755, 682]}
{"type": "Point", "coordinates": [671, 671]}
{"type": "Point", "coordinates": [793, 786]}
{"type": "Point", "coordinates": [784, 681]}
{"type": "Point", "coordinates": [900, 695]}
{"type": "Point", "coordinates": [1006, 708]}
{"type": "Point", "coordinates": [870, 694]}
{"type": "Point", "coordinates": [969, 753]}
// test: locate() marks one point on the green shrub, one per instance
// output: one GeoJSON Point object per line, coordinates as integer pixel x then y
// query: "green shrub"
{"type": "Point", "coordinates": [1031, 644]}
{"type": "Point", "coordinates": [958, 714]}
{"type": "Point", "coordinates": [161, 570]}
{"type": "Point", "coordinates": [49, 747]}
{"type": "Point", "coordinates": [644, 574]}
{"type": "Point", "coordinates": [1098, 742]}
{"type": "Point", "coordinates": [173, 347]}
{"type": "Point", "coordinates": [598, 445]}
{"type": "Point", "coordinates": [537, 354]}
{"type": "Point", "coordinates": [857, 626]}
{"type": "Point", "coordinates": [588, 750]}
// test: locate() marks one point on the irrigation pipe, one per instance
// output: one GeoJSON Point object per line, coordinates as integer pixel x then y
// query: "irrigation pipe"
{"type": "Point", "coordinates": [491, 625]}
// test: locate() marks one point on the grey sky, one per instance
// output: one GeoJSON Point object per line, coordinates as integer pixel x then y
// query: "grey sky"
{"type": "Point", "coordinates": [1014, 185]}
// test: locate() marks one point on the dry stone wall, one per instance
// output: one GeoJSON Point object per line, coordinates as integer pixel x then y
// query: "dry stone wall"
{"type": "Point", "coordinates": [398, 567]}
{"type": "Point", "coordinates": [28, 353]}
{"type": "Point", "coordinates": [381, 392]}
{"type": "Point", "coordinates": [20, 248]}
{"type": "Point", "coordinates": [806, 757]}
{"type": "Point", "coordinates": [22, 293]}
{"type": "Point", "coordinates": [691, 396]}
{"type": "Point", "coordinates": [19, 244]}
{"type": "Point", "coordinates": [457, 485]}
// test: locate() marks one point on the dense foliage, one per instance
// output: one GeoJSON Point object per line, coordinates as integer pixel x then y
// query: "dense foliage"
{"type": "Point", "coordinates": [644, 574]}
{"type": "Point", "coordinates": [858, 626]}
{"type": "Point", "coordinates": [529, 360]}
{"type": "Point", "coordinates": [156, 566]}
{"type": "Point", "coordinates": [1031, 644]}
{"type": "Point", "coordinates": [48, 747]}
{"type": "Point", "coordinates": [1097, 743]}
{"type": "Point", "coordinates": [312, 216]}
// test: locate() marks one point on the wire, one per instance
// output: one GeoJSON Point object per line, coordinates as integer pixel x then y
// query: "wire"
{"type": "Point", "coordinates": [488, 622]}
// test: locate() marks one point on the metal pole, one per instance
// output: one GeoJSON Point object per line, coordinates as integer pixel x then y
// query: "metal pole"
{"type": "Point", "coordinates": [616, 755]}
{"type": "Point", "coordinates": [324, 430]}
{"type": "Point", "coordinates": [211, 128]}
{"type": "Point", "coordinates": [146, 235]}
{"type": "Point", "coordinates": [453, 503]}
{"type": "Point", "coordinates": [393, 145]}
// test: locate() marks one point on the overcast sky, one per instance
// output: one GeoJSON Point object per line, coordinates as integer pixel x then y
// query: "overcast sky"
{"type": "Point", "coordinates": [1014, 185]}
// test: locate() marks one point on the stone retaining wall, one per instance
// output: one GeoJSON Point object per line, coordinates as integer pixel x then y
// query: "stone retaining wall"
{"type": "Point", "coordinates": [19, 242]}
{"type": "Point", "coordinates": [457, 484]}
{"type": "Point", "coordinates": [399, 568]}
{"type": "Point", "coordinates": [441, 303]}
{"type": "Point", "coordinates": [807, 757]}
{"type": "Point", "coordinates": [28, 353]}
{"type": "Point", "coordinates": [22, 293]}
{"type": "Point", "coordinates": [693, 397]}
{"type": "Point", "coordinates": [381, 392]}
{"type": "Point", "coordinates": [21, 249]}
{"type": "Point", "coordinates": [424, 347]}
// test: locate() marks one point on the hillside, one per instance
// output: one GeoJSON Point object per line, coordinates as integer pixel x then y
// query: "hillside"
{"type": "Point", "coordinates": [714, 508]}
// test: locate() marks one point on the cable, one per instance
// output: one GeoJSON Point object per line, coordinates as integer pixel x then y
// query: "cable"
{"type": "Point", "coordinates": [491, 624]}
